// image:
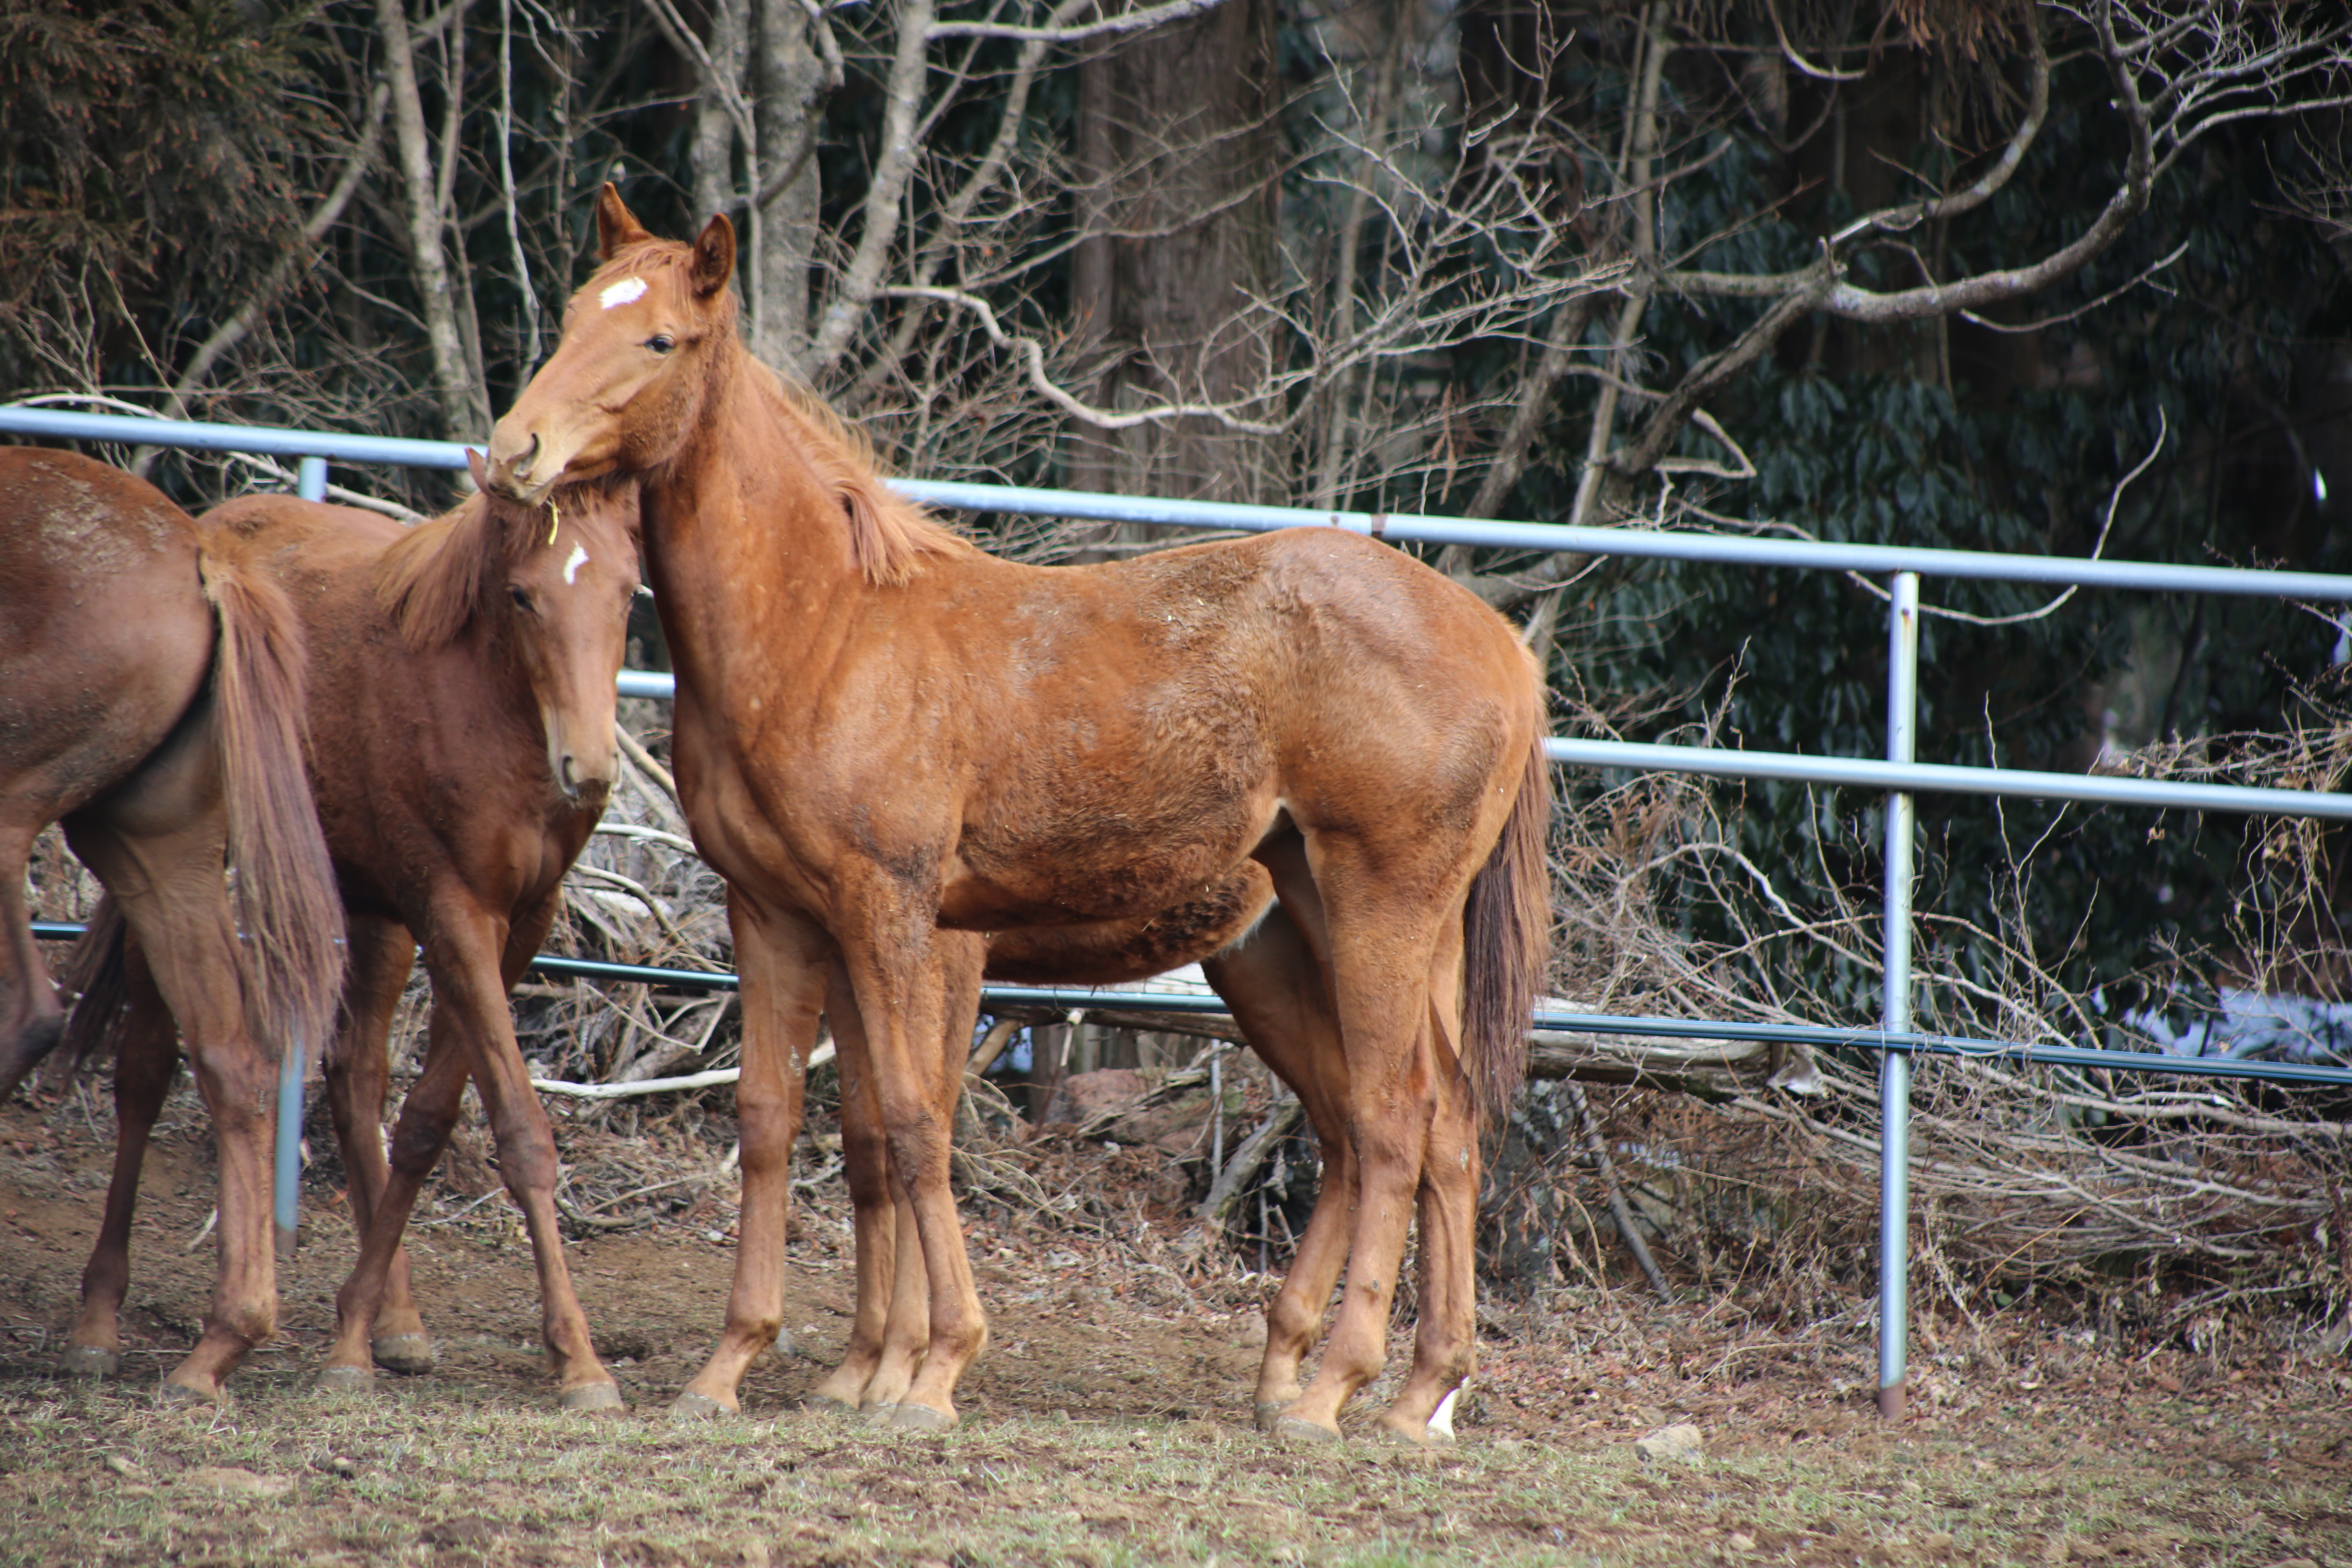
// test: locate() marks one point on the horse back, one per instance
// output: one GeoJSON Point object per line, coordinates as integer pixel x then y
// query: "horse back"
{"type": "Point", "coordinates": [105, 635]}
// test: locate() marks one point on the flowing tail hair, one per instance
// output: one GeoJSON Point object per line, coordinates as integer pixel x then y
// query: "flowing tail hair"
{"type": "Point", "coordinates": [287, 904]}
{"type": "Point", "coordinates": [1506, 940]}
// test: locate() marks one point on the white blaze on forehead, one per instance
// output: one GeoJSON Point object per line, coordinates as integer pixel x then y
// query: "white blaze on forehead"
{"type": "Point", "coordinates": [579, 558]}
{"type": "Point", "coordinates": [626, 291]}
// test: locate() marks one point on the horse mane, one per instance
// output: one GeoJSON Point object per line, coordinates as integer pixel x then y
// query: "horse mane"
{"type": "Point", "coordinates": [889, 536]}
{"type": "Point", "coordinates": [434, 577]}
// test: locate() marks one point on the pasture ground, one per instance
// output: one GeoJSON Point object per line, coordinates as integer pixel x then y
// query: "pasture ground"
{"type": "Point", "coordinates": [1108, 1425]}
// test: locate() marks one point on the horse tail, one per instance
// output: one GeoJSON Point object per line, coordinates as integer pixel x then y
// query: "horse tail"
{"type": "Point", "coordinates": [1507, 942]}
{"type": "Point", "coordinates": [98, 974]}
{"type": "Point", "coordinates": [288, 907]}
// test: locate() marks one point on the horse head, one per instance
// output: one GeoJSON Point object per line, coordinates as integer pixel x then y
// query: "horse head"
{"type": "Point", "coordinates": [626, 382]}
{"type": "Point", "coordinates": [549, 587]}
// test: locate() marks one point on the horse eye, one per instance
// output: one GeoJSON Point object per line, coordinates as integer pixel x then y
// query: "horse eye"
{"type": "Point", "coordinates": [520, 595]}
{"type": "Point", "coordinates": [661, 343]}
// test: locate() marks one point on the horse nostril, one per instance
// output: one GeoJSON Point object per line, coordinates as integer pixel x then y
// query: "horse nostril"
{"type": "Point", "coordinates": [530, 455]}
{"type": "Point", "coordinates": [568, 775]}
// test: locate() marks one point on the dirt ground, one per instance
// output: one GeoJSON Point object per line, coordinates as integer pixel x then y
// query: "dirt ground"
{"type": "Point", "coordinates": [1108, 1422]}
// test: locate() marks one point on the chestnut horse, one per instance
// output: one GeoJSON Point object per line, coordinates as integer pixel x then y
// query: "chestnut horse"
{"type": "Point", "coordinates": [151, 698]}
{"type": "Point", "coordinates": [883, 734]}
{"type": "Point", "coordinates": [461, 694]}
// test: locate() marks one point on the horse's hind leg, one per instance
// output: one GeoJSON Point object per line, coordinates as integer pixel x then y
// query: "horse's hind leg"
{"type": "Point", "coordinates": [426, 1114]}
{"type": "Point", "coordinates": [146, 1059]}
{"type": "Point", "coordinates": [1274, 985]}
{"type": "Point", "coordinates": [359, 1077]}
{"type": "Point", "coordinates": [1445, 1337]}
{"type": "Point", "coordinates": [1382, 948]}
{"type": "Point", "coordinates": [30, 1018]}
{"type": "Point", "coordinates": [159, 852]}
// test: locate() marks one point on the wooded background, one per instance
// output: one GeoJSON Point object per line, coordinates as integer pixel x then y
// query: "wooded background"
{"type": "Point", "coordinates": [1917, 271]}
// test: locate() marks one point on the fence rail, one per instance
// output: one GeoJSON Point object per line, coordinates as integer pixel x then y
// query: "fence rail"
{"type": "Point", "coordinates": [1898, 773]}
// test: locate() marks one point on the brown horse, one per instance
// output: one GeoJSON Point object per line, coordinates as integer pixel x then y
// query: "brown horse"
{"type": "Point", "coordinates": [461, 719]}
{"type": "Point", "coordinates": [882, 733]}
{"type": "Point", "coordinates": [151, 698]}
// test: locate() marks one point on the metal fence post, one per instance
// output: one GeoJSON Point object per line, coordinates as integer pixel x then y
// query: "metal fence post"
{"type": "Point", "coordinates": [1895, 1010]}
{"type": "Point", "coordinates": [310, 484]}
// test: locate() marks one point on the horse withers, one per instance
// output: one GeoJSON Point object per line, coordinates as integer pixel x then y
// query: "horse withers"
{"type": "Point", "coordinates": [882, 732]}
{"type": "Point", "coordinates": [461, 692]}
{"type": "Point", "coordinates": [151, 700]}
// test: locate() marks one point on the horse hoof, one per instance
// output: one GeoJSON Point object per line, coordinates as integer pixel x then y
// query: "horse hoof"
{"type": "Point", "coordinates": [1266, 1415]}
{"type": "Point", "coordinates": [346, 1380]}
{"type": "Point", "coordinates": [187, 1396]}
{"type": "Point", "coordinates": [601, 1399]}
{"type": "Point", "coordinates": [692, 1406]}
{"type": "Point", "coordinates": [921, 1418]}
{"type": "Point", "coordinates": [827, 1404]}
{"type": "Point", "coordinates": [410, 1355]}
{"type": "Point", "coordinates": [1412, 1437]}
{"type": "Point", "coordinates": [1291, 1429]}
{"type": "Point", "coordinates": [88, 1361]}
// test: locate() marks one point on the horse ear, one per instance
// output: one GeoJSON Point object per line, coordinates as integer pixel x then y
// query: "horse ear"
{"type": "Point", "coordinates": [479, 469]}
{"type": "Point", "coordinates": [714, 256]}
{"type": "Point", "coordinates": [616, 225]}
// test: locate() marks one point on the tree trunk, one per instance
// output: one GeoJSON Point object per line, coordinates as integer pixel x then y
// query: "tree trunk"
{"type": "Point", "coordinates": [789, 83]}
{"type": "Point", "coordinates": [464, 406]}
{"type": "Point", "coordinates": [1177, 146]}
{"type": "Point", "coordinates": [761, 67]}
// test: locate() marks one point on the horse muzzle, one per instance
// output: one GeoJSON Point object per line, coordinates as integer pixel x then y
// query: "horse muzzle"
{"type": "Point", "coordinates": [519, 468]}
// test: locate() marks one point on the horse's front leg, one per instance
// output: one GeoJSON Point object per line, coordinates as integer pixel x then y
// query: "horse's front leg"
{"type": "Point", "coordinates": [782, 960]}
{"type": "Point", "coordinates": [906, 978]}
{"type": "Point", "coordinates": [890, 1324]}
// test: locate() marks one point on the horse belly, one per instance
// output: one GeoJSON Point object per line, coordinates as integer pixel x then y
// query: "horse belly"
{"type": "Point", "coordinates": [1071, 868]}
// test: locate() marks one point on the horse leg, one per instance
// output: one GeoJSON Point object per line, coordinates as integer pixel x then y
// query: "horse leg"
{"type": "Point", "coordinates": [157, 845]}
{"type": "Point", "coordinates": [865, 1165]}
{"type": "Point", "coordinates": [906, 981]}
{"type": "Point", "coordinates": [146, 1061]}
{"type": "Point", "coordinates": [891, 1322]}
{"type": "Point", "coordinates": [30, 1018]}
{"type": "Point", "coordinates": [1445, 1336]}
{"type": "Point", "coordinates": [426, 1114]}
{"type": "Point", "coordinates": [782, 960]}
{"type": "Point", "coordinates": [359, 1079]}
{"type": "Point", "coordinates": [462, 951]}
{"type": "Point", "coordinates": [1274, 983]}
{"type": "Point", "coordinates": [907, 1340]}
{"type": "Point", "coordinates": [1381, 952]}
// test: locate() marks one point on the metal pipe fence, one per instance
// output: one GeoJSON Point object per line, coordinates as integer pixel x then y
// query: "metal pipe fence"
{"type": "Point", "coordinates": [1898, 773]}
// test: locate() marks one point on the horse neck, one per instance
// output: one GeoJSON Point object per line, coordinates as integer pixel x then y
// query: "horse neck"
{"type": "Point", "coordinates": [743, 539]}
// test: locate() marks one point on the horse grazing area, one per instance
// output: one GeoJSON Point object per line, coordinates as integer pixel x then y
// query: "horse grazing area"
{"type": "Point", "coordinates": [1107, 1424]}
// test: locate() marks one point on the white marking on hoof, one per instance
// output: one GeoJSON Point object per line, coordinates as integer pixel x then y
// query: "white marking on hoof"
{"type": "Point", "coordinates": [1441, 1424]}
{"type": "Point", "coordinates": [572, 565]}
{"type": "Point", "coordinates": [627, 291]}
